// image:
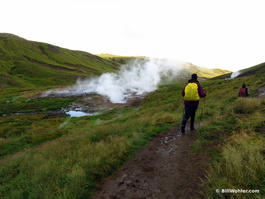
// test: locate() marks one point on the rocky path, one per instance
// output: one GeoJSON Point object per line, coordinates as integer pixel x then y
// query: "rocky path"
{"type": "Point", "coordinates": [166, 168]}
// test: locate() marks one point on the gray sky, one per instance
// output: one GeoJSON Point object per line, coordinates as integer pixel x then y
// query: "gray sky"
{"type": "Point", "coordinates": [212, 33]}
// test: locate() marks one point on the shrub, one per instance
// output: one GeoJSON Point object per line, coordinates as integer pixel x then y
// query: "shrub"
{"type": "Point", "coordinates": [246, 105]}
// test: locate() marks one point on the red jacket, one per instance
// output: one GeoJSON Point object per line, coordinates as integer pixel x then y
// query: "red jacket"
{"type": "Point", "coordinates": [200, 91]}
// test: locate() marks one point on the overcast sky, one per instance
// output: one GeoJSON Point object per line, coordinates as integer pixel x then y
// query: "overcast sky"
{"type": "Point", "coordinates": [226, 34]}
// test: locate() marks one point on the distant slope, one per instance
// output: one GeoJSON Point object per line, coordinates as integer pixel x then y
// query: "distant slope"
{"type": "Point", "coordinates": [257, 70]}
{"type": "Point", "coordinates": [120, 59]}
{"type": "Point", "coordinates": [202, 72]}
{"type": "Point", "coordinates": [26, 63]}
{"type": "Point", "coordinates": [254, 70]}
{"type": "Point", "coordinates": [188, 68]}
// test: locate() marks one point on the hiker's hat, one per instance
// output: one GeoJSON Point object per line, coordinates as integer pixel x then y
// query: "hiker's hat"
{"type": "Point", "coordinates": [194, 76]}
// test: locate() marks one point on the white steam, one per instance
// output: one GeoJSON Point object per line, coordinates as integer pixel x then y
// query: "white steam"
{"type": "Point", "coordinates": [134, 78]}
{"type": "Point", "coordinates": [235, 74]}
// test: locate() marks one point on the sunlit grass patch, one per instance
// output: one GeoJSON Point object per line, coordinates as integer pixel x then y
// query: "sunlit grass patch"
{"type": "Point", "coordinates": [163, 118]}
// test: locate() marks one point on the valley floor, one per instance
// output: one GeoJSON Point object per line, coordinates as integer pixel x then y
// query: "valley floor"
{"type": "Point", "coordinates": [166, 168]}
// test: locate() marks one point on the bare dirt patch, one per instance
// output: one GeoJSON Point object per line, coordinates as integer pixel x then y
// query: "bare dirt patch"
{"type": "Point", "coordinates": [97, 103]}
{"type": "Point", "coordinates": [166, 168]}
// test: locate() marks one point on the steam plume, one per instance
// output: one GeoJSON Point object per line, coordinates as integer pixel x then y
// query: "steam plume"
{"type": "Point", "coordinates": [235, 74]}
{"type": "Point", "coordinates": [134, 78]}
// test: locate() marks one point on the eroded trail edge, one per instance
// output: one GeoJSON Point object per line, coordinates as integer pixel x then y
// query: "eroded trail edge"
{"type": "Point", "coordinates": [166, 168]}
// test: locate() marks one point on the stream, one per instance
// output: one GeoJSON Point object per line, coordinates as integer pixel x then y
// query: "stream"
{"type": "Point", "coordinates": [80, 113]}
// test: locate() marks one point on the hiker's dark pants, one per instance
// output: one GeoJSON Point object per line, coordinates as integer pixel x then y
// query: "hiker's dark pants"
{"type": "Point", "coordinates": [190, 112]}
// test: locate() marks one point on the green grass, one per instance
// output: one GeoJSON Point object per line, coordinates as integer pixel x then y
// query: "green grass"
{"type": "Point", "coordinates": [26, 122]}
{"type": "Point", "coordinates": [79, 160]}
{"type": "Point", "coordinates": [63, 157]}
{"type": "Point", "coordinates": [69, 157]}
{"type": "Point", "coordinates": [232, 136]}
{"type": "Point", "coordinates": [241, 166]}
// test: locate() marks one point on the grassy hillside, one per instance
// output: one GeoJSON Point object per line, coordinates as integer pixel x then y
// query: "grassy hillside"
{"type": "Point", "coordinates": [257, 70]}
{"type": "Point", "coordinates": [63, 157]}
{"type": "Point", "coordinates": [55, 156]}
{"type": "Point", "coordinates": [233, 134]}
{"type": "Point", "coordinates": [26, 63]}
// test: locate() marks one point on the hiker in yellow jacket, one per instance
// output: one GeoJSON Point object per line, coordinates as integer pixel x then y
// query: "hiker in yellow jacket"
{"type": "Point", "coordinates": [191, 93]}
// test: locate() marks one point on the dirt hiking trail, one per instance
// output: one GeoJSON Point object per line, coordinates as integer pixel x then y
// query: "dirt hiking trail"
{"type": "Point", "coordinates": [165, 169]}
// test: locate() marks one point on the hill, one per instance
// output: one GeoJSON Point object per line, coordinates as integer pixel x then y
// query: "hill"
{"type": "Point", "coordinates": [202, 72]}
{"type": "Point", "coordinates": [121, 59]}
{"type": "Point", "coordinates": [27, 63]}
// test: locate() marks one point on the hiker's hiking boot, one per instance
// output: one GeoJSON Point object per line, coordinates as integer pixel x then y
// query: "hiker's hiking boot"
{"type": "Point", "coordinates": [182, 129]}
{"type": "Point", "coordinates": [192, 127]}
